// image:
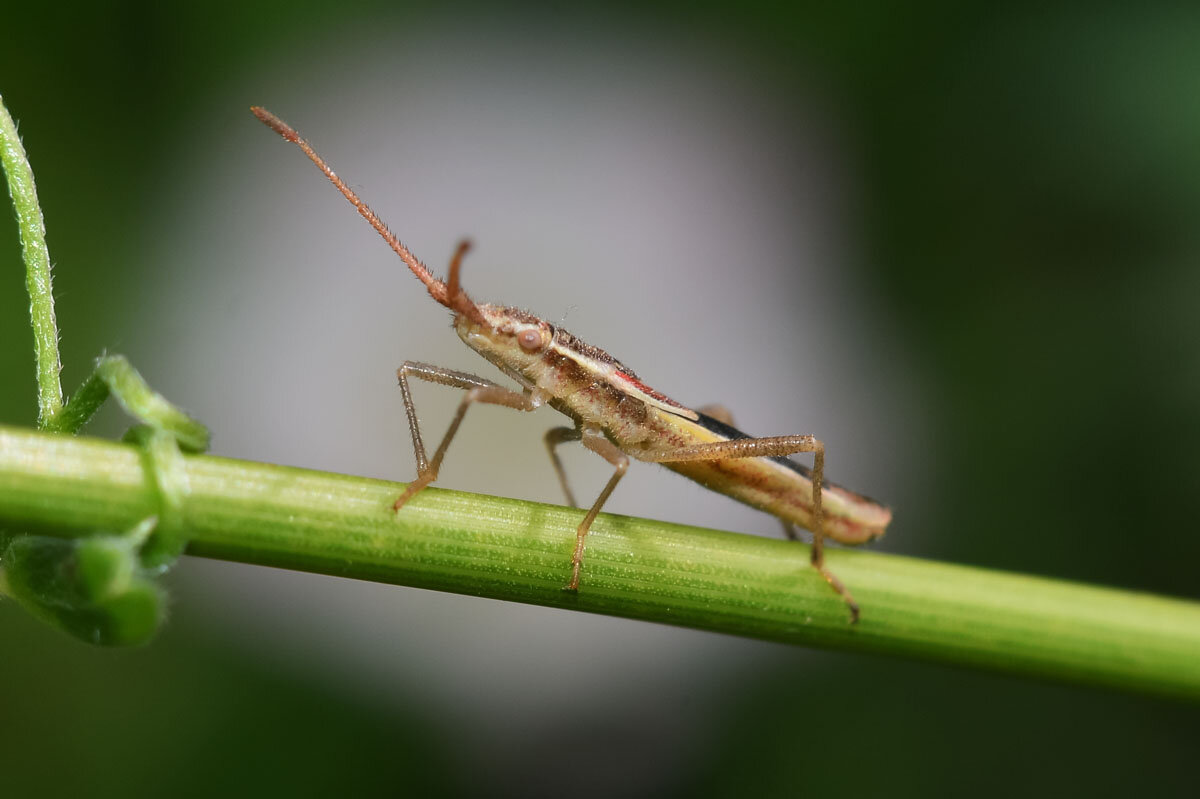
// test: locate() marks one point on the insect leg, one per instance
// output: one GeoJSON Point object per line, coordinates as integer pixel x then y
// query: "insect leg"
{"type": "Point", "coordinates": [770, 447]}
{"type": "Point", "coordinates": [594, 440]}
{"type": "Point", "coordinates": [723, 414]}
{"type": "Point", "coordinates": [478, 390]}
{"type": "Point", "coordinates": [789, 530]}
{"type": "Point", "coordinates": [554, 437]}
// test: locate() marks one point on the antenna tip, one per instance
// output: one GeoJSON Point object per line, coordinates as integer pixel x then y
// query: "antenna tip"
{"type": "Point", "coordinates": [275, 123]}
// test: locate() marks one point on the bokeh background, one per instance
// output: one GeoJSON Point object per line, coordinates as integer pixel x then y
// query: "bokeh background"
{"type": "Point", "coordinates": [959, 243]}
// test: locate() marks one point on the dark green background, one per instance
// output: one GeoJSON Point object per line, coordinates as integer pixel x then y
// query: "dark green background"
{"type": "Point", "coordinates": [1031, 190]}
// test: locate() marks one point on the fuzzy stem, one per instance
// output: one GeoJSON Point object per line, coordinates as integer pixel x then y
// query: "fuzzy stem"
{"type": "Point", "coordinates": [656, 571]}
{"type": "Point", "coordinates": [37, 267]}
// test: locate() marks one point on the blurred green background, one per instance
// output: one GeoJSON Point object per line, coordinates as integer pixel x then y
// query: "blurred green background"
{"type": "Point", "coordinates": [1020, 192]}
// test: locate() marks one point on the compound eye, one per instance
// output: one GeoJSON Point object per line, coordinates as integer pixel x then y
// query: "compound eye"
{"type": "Point", "coordinates": [530, 340]}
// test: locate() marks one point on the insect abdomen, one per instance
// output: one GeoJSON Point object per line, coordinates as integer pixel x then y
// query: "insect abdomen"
{"type": "Point", "coordinates": [779, 486]}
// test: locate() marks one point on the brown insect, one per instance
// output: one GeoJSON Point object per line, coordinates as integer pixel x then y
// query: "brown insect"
{"type": "Point", "coordinates": [615, 414]}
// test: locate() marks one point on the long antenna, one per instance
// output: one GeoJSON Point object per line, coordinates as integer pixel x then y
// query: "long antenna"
{"type": "Point", "coordinates": [437, 289]}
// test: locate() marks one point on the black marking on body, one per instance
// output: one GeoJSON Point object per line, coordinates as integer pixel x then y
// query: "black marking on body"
{"type": "Point", "coordinates": [733, 434]}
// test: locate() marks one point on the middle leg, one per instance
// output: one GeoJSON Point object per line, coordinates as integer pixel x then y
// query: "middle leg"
{"type": "Point", "coordinates": [593, 438]}
{"type": "Point", "coordinates": [561, 435]}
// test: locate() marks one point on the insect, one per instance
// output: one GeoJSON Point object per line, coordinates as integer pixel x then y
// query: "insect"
{"type": "Point", "coordinates": [615, 414]}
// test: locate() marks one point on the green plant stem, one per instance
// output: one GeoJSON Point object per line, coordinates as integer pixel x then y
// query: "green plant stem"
{"type": "Point", "coordinates": [656, 571]}
{"type": "Point", "coordinates": [37, 267]}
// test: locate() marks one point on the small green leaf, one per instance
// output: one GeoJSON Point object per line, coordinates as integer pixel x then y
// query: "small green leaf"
{"type": "Point", "coordinates": [91, 588]}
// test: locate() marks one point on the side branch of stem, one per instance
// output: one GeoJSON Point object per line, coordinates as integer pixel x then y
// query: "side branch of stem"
{"type": "Point", "coordinates": [37, 266]}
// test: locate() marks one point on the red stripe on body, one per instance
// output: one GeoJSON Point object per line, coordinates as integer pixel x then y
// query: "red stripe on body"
{"type": "Point", "coordinates": [645, 389]}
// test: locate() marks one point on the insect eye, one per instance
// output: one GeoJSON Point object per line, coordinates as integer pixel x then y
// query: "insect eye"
{"type": "Point", "coordinates": [530, 340]}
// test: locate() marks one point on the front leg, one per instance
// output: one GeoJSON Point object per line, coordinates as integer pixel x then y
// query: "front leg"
{"type": "Point", "coordinates": [478, 390]}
